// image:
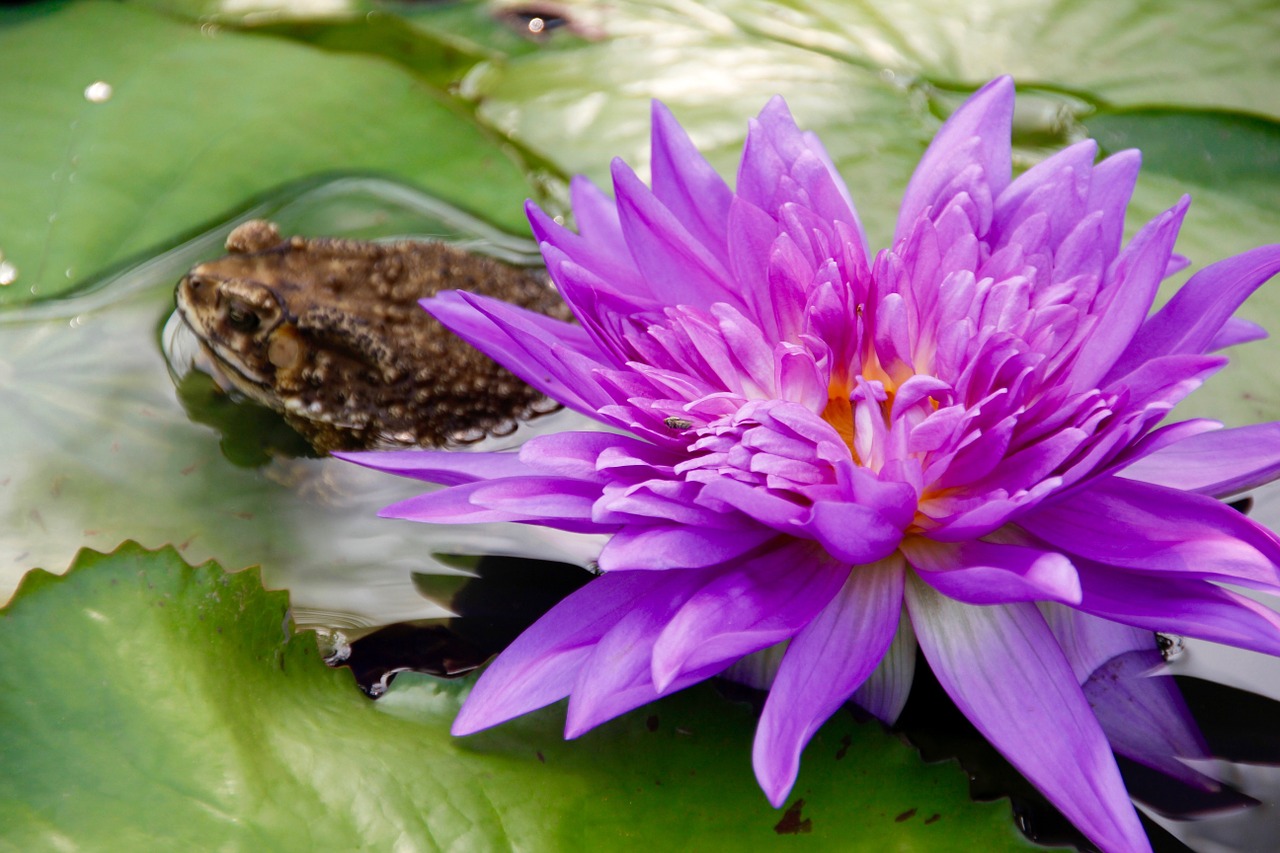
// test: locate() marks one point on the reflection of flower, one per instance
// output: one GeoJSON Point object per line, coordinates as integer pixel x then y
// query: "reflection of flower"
{"type": "Point", "coordinates": [966, 425]}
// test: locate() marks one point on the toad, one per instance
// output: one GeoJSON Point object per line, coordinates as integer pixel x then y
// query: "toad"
{"type": "Point", "coordinates": [329, 332]}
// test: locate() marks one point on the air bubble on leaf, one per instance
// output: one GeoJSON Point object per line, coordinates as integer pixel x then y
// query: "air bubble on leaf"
{"type": "Point", "coordinates": [333, 645]}
{"type": "Point", "coordinates": [98, 92]}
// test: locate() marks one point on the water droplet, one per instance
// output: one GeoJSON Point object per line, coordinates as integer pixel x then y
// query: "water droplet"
{"type": "Point", "coordinates": [70, 273]}
{"type": "Point", "coordinates": [536, 25]}
{"type": "Point", "coordinates": [1171, 646]}
{"type": "Point", "coordinates": [559, 220]}
{"type": "Point", "coordinates": [97, 92]}
{"type": "Point", "coordinates": [8, 273]}
{"type": "Point", "coordinates": [333, 644]}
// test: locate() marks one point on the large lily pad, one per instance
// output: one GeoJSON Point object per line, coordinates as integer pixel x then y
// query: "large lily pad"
{"type": "Point", "coordinates": [196, 122]}
{"type": "Point", "coordinates": [147, 704]}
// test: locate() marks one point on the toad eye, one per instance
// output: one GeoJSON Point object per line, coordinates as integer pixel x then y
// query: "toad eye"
{"type": "Point", "coordinates": [241, 318]}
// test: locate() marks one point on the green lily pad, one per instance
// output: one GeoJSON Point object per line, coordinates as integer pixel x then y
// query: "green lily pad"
{"type": "Point", "coordinates": [163, 126]}
{"type": "Point", "coordinates": [1151, 51]}
{"type": "Point", "coordinates": [1230, 152]}
{"type": "Point", "coordinates": [151, 705]}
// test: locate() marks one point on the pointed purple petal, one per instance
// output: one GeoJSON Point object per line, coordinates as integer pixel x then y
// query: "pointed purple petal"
{"type": "Point", "coordinates": [1004, 670]}
{"type": "Point", "coordinates": [1146, 718]}
{"type": "Point", "coordinates": [783, 166]}
{"type": "Point", "coordinates": [763, 601]}
{"type": "Point", "coordinates": [884, 693]}
{"type": "Point", "coordinates": [1056, 187]}
{"type": "Point", "coordinates": [978, 572]}
{"type": "Point", "coordinates": [977, 134]}
{"type": "Point", "coordinates": [552, 356]}
{"type": "Point", "coordinates": [1131, 285]}
{"type": "Point", "coordinates": [823, 666]}
{"type": "Point", "coordinates": [600, 247]}
{"type": "Point", "coordinates": [1136, 525]}
{"type": "Point", "coordinates": [1187, 606]}
{"type": "Point", "coordinates": [679, 546]}
{"type": "Point", "coordinates": [1218, 463]}
{"type": "Point", "coordinates": [1195, 315]}
{"type": "Point", "coordinates": [1142, 713]}
{"type": "Point", "coordinates": [541, 666]}
{"type": "Point", "coordinates": [1109, 192]}
{"type": "Point", "coordinates": [550, 501]}
{"type": "Point", "coordinates": [1234, 332]}
{"type": "Point", "coordinates": [596, 216]}
{"type": "Point", "coordinates": [678, 268]}
{"type": "Point", "coordinates": [618, 674]}
{"type": "Point", "coordinates": [448, 467]}
{"type": "Point", "coordinates": [685, 182]}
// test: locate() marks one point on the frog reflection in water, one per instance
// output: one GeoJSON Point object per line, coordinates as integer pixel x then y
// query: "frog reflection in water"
{"type": "Point", "coordinates": [329, 333]}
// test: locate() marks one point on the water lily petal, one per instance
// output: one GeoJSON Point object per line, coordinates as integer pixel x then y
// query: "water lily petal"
{"type": "Point", "coordinates": [1122, 522]}
{"type": "Point", "coordinates": [687, 185]}
{"type": "Point", "coordinates": [679, 547]}
{"type": "Point", "coordinates": [980, 572]}
{"type": "Point", "coordinates": [617, 675]}
{"type": "Point", "coordinates": [1189, 322]}
{"type": "Point", "coordinates": [677, 268]}
{"type": "Point", "coordinates": [549, 355]}
{"type": "Point", "coordinates": [1109, 193]}
{"type": "Point", "coordinates": [829, 659]}
{"type": "Point", "coordinates": [441, 466]}
{"type": "Point", "coordinates": [1142, 712]}
{"type": "Point", "coordinates": [974, 135]}
{"type": "Point", "coordinates": [783, 165]}
{"type": "Point", "coordinates": [600, 247]}
{"type": "Point", "coordinates": [1133, 280]}
{"type": "Point", "coordinates": [851, 532]}
{"type": "Point", "coordinates": [1218, 463]}
{"type": "Point", "coordinates": [1003, 669]}
{"type": "Point", "coordinates": [1187, 606]}
{"type": "Point", "coordinates": [1234, 332]}
{"type": "Point", "coordinates": [555, 502]}
{"type": "Point", "coordinates": [542, 664]}
{"type": "Point", "coordinates": [884, 694]}
{"type": "Point", "coordinates": [764, 601]}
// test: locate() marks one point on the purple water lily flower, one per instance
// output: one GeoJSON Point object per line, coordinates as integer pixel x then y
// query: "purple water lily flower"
{"type": "Point", "coordinates": [957, 443]}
